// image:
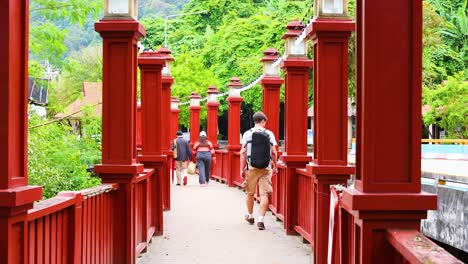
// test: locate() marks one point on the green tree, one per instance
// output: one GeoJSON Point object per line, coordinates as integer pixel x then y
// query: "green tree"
{"type": "Point", "coordinates": [449, 106]}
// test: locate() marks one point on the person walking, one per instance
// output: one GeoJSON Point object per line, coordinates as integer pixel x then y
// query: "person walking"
{"type": "Point", "coordinates": [258, 163]}
{"type": "Point", "coordinates": [182, 155]}
{"type": "Point", "coordinates": [205, 154]}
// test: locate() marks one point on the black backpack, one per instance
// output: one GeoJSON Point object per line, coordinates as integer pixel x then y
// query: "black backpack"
{"type": "Point", "coordinates": [260, 152]}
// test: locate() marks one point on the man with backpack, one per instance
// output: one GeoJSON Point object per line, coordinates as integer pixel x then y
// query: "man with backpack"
{"type": "Point", "coordinates": [182, 154]}
{"type": "Point", "coordinates": [258, 163]}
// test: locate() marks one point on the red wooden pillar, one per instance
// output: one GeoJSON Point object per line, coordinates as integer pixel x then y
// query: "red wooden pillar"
{"type": "Point", "coordinates": [119, 164]}
{"type": "Point", "coordinates": [235, 101]}
{"type": "Point", "coordinates": [16, 196]}
{"type": "Point", "coordinates": [152, 156]}
{"type": "Point", "coordinates": [296, 68]}
{"type": "Point", "coordinates": [271, 83]}
{"type": "Point", "coordinates": [174, 116]}
{"type": "Point", "coordinates": [212, 119]}
{"type": "Point", "coordinates": [388, 172]}
{"type": "Point", "coordinates": [330, 166]}
{"type": "Point", "coordinates": [167, 82]}
{"type": "Point", "coordinates": [139, 142]}
{"type": "Point", "coordinates": [194, 118]}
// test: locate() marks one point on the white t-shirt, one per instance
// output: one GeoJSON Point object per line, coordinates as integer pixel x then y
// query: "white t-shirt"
{"type": "Point", "coordinates": [248, 137]}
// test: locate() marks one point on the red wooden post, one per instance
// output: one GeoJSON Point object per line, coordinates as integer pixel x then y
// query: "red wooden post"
{"type": "Point", "coordinates": [119, 163]}
{"type": "Point", "coordinates": [271, 83]}
{"type": "Point", "coordinates": [296, 67]}
{"type": "Point", "coordinates": [167, 82]}
{"type": "Point", "coordinates": [139, 142]}
{"type": "Point", "coordinates": [174, 116]}
{"type": "Point", "coordinates": [212, 119]}
{"type": "Point", "coordinates": [330, 166]}
{"type": "Point", "coordinates": [388, 172]}
{"type": "Point", "coordinates": [152, 156]}
{"type": "Point", "coordinates": [235, 101]}
{"type": "Point", "coordinates": [16, 196]}
{"type": "Point", "coordinates": [194, 118]}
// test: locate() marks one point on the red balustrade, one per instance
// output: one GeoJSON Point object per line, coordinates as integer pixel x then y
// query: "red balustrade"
{"type": "Point", "coordinates": [225, 169]}
{"type": "Point", "coordinates": [73, 227]}
{"type": "Point", "coordinates": [235, 170]}
{"type": "Point", "coordinates": [279, 190]}
{"type": "Point", "coordinates": [217, 168]}
{"type": "Point", "coordinates": [305, 201]}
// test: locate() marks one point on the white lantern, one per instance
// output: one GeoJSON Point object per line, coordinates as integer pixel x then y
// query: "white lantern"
{"type": "Point", "coordinates": [166, 70]}
{"type": "Point", "coordinates": [269, 68]}
{"type": "Point", "coordinates": [195, 99]}
{"type": "Point", "coordinates": [295, 45]}
{"type": "Point", "coordinates": [174, 103]}
{"type": "Point", "coordinates": [212, 94]}
{"type": "Point", "coordinates": [234, 87]}
{"type": "Point", "coordinates": [121, 9]}
{"type": "Point", "coordinates": [331, 8]}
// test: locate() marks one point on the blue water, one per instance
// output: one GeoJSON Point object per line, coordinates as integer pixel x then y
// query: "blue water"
{"type": "Point", "coordinates": [426, 148]}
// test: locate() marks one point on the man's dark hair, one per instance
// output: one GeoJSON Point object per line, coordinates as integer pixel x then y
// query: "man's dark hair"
{"type": "Point", "coordinates": [179, 133]}
{"type": "Point", "coordinates": [259, 117]}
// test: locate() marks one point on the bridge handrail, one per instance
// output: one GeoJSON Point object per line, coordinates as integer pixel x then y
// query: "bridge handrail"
{"type": "Point", "coordinates": [417, 248]}
{"type": "Point", "coordinates": [66, 199]}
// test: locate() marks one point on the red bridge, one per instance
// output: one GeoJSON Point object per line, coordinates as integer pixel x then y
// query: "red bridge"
{"type": "Point", "coordinates": [376, 221]}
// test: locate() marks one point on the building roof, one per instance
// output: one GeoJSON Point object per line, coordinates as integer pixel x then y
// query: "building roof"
{"type": "Point", "coordinates": [37, 94]}
{"type": "Point", "coordinates": [92, 96]}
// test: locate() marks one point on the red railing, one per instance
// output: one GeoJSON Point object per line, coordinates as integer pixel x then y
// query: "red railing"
{"type": "Point", "coordinates": [279, 189]}
{"type": "Point", "coordinates": [218, 166]}
{"type": "Point", "coordinates": [305, 202]}
{"type": "Point", "coordinates": [73, 227]}
{"type": "Point", "coordinates": [235, 170]}
{"type": "Point", "coordinates": [413, 247]}
{"type": "Point", "coordinates": [77, 227]}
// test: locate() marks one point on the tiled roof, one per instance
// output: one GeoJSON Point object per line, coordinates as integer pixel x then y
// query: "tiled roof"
{"type": "Point", "coordinates": [92, 95]}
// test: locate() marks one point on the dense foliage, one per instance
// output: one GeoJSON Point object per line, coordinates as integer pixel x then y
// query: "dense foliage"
{"type": "Point", "coordinates": [59, 158]}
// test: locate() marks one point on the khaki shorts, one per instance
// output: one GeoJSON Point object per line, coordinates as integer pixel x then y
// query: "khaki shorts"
{"type": "Point", "coordinates": [255, 176]}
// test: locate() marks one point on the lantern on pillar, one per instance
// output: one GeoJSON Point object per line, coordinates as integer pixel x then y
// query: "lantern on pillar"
{"type": "Point", "coordinates": [269, 67]}
{"type": "Point", "coordinates": [234, 86]}
{"type": "Point", "coordinates": [195, 99]}
{"type": "Point", "coordinates": [174, 103]}
{"type": "Point", "coordinates": [295, 45]}
{"type": "Point", "coordinates": [121, 9]}
{"type": "Point", "coordinates": [212, 94]}
{"type": "Point", "coordinates": [166, 54]}
{"type": "Point", "coordinates": [331, 8]}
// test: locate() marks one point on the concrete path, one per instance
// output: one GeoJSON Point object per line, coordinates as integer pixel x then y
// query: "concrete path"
{"type": "Point", "coordinates": [206, 226]}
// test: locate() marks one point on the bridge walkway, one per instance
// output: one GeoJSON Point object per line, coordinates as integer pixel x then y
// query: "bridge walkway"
{"type": "Point", "coordinates": [206, 225]}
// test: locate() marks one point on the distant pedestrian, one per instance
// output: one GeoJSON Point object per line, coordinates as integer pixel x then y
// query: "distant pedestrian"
{"type": "Point", "coordinates": [205, 154]}
{"type": "Point", "coordinates": [258, 162]}
{"type": "Point", "coordinates": [182, 155]}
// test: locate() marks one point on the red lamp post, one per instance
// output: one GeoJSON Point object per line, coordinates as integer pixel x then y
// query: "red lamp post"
{"type": "Point", "coordinates": [167, 82]}
{"type": "Point", "coordinates": [119, 159]}
{"type": "Point", "coordinates": [212, 120]}
{"type": "Point", "coordinates": [152, 156]}
{"type": "Point", "coordinates": [194, 108]}
{"type": "Point", "coordinates": [234, 146]}
{"type": "Point", "coordinates": [296, 67]}
{"type": "Point", "coordinates": [330, 36]}
{"type": "Point", "coordinates": [271, 83]}
{"type": "Point", "coordinates": [387, 191]}
{"type": "Point", "coordinates": [16, 196]}
{"type": "Point", "coordinates": [174, 115]}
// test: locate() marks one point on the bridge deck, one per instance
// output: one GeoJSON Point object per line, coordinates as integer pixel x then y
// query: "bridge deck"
{"type": "Point", "coordinates": [206, 225]}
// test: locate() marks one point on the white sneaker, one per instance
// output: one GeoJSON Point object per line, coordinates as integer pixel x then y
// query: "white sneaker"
{"type": "Point", "coordinates": [203, 185]}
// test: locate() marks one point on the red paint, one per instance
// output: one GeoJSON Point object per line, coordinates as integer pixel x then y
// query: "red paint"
{"type": "Point", "coordinates": [388, 174]}
{"type": "Point", "coordinates": [234, 134]}
{"type": "Point", "coordinates": [212, 118]}
{"type": "Point", "coordinates": [194, 120]}
{"type": "Point", "coordinates": [330, 166]}
{"type": "Point", "coordinates": [174, 118]}
{"type": "Point", "coordinates": [296, 71]}
{"type": "Point", "coordinates": [139, 142]}
{"type": "Point", "coordinates": [152, 156]}
{"type": "Point", "coordinates": [119, 127]}
{"type": "Point", "coordinates": [16, 197]}
{"type": "Point", "coordinates": [271, 95]}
